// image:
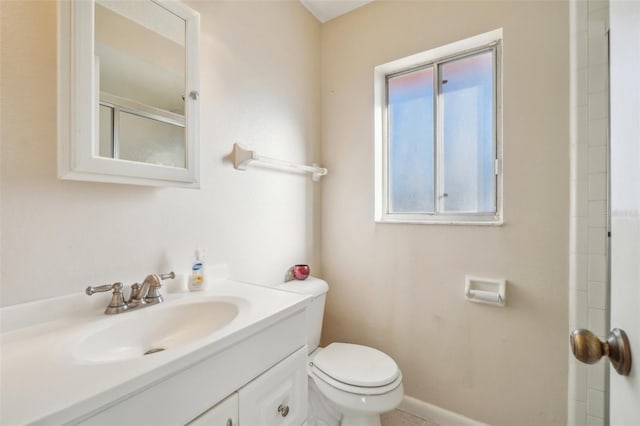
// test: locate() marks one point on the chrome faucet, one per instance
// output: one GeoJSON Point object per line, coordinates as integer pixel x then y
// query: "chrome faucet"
{"type": "Point", "coordinates": [149, 292]}
{"type": "Point", "coordinates": [140, 296]}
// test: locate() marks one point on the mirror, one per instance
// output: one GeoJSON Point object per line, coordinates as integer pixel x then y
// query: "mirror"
{"type": "Point", "coordinates": [141, 115]}
{"type": "Point", "coordinates": [130, 115]}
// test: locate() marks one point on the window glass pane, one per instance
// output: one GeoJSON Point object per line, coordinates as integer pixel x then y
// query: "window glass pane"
{"type": "Point", "coordinates": [106, 132]}
{"type": "Point", "coordinates": [411, 153]}
{"type": "Point", "coordinates": [468, 149]}
{"type": "Point", "coordinates": [150, 141]}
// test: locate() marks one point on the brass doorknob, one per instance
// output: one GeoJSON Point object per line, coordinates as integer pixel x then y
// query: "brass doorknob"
{"type": "Point", "coordinates": [586, 347]}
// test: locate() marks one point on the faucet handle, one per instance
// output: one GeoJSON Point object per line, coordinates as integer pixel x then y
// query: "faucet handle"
{"type": "Point", "coordinates": [101, 288]}
{"type": "Point", "coordinates": [171, 275]}
{"type": "Point", "coordinates": [117, 303]}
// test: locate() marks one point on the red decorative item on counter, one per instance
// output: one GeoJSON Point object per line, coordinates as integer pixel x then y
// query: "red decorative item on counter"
{"type": "Point", "coordinates": [300, 272]}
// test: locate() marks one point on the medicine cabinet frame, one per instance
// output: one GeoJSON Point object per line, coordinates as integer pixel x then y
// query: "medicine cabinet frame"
{"type": "Point", "coordinates": [78, 100]}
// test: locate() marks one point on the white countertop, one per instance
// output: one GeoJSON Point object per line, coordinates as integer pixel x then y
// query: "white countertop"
{"type": "Point", "coordinates": [43, 382]}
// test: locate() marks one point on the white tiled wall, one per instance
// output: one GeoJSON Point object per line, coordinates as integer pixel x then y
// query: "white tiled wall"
{"type": "Point", "coordinates": [589, 182]}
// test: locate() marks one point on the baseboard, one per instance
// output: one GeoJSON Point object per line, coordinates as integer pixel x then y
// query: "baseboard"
{"type": "Point", "coordinates": [435, 414]}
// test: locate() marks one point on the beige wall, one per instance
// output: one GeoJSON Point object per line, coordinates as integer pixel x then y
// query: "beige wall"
{"type": "Point", "coordinates": [396, 287]}
{"type": "Point", "coordinates": [400, 287]}
{"type": "Point", "coordinates": [258, 87]}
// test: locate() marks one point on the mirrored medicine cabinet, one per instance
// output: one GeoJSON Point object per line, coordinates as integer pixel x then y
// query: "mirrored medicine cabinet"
{"type": "Point", "coordinates": [128, 92]}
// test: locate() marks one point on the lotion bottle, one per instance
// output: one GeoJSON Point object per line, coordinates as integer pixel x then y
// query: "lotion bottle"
{"type": "Point", "coordinates": [197, 277]}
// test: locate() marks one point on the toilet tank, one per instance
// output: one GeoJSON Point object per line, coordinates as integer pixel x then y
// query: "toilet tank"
{"type": "Point", "coordinates": [317, 289]}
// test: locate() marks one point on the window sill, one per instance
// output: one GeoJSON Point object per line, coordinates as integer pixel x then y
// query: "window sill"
{"type": "Point", "coordinates": [489, 221]}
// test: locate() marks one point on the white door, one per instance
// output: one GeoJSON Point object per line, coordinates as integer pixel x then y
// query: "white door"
{"type": "Point", "coordinates": [624, 35]}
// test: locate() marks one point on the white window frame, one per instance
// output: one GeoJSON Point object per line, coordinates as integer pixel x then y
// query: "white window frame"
{"type": "Point", "coordinates": [381, 73]}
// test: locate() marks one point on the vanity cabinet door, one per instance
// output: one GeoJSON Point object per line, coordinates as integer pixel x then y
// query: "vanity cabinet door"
{"type": "Point", "coordinates": [224, 413]}
{"type": "Point", "coordinates": [278, 397]}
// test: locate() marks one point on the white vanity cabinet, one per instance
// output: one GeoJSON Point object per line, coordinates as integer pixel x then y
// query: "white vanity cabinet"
{"type": "Point", "coordinates": [279, 396]}
{"type": "Point", "coordinates": [267, 370]}
{"type": "Point", "coordinates": [224, 413]}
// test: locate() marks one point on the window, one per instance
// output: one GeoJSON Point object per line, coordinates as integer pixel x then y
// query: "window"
{"type": "Point", "coordinates": [438, 134]}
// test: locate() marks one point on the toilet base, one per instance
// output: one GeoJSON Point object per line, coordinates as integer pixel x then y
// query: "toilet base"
{"type": "Point", "coordinates": [323, 412]}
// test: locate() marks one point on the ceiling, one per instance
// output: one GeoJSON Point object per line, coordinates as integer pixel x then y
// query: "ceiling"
{"type": "Point", "coordinates": [325, 10]}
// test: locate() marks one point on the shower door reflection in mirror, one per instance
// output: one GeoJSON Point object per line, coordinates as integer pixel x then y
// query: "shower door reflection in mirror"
{"type": "Point", "coordinates": [140, 61]}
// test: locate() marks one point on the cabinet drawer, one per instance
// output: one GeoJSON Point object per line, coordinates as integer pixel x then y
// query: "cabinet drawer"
{"type": "Point", "coordinates": [224, 413]}
{"type": "Point", "coordinates": [278, 397]}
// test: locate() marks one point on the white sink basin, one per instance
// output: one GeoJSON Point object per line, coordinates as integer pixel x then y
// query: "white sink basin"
{"type": "Point", "coordinates": [152, 330]}
{"type": "Point", "coordinates": [63, 359]}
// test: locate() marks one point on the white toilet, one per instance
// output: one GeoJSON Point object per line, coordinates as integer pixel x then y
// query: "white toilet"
{"type": "Point", "coordinates": [349, 385]}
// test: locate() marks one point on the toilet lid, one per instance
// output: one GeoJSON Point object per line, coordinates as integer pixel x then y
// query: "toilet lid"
{"type": "Point", "coordinates": [356, 365]}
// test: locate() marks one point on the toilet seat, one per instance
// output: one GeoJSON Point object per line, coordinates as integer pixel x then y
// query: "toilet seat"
{"type": "Point", "coordinates": [356, 369]}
